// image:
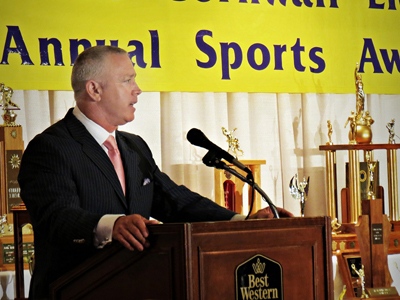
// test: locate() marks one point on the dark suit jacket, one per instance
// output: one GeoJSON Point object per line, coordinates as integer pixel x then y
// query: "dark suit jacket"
{"type": "Point", "coordinates": [68, 183]}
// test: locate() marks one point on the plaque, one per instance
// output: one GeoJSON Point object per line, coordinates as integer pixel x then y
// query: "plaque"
{"type": "Point", "coordinates": [377, 234]}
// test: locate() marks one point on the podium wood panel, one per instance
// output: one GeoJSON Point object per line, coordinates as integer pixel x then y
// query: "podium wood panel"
{"type": "Point", "coordinates": [198, 262]}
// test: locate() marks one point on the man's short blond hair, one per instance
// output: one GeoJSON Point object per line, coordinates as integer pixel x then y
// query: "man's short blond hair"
{"type": "Point", "coordinates": [89, 64]}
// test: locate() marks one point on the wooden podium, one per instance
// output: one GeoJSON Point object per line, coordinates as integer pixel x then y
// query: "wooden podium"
{"type": "Point", "coordinates": [191, 261]}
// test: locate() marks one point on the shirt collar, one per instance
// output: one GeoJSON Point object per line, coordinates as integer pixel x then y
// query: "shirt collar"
{"type": "Point", "coordinates": [98, 132]}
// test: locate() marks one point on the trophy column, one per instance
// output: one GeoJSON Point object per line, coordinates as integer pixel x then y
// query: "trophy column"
{"type": "Point", "coordinates": [354, 186]}
{"type": "Point", "coordinates": [330, 160]}
{"type": "Point", "coordinates": [392, 185]}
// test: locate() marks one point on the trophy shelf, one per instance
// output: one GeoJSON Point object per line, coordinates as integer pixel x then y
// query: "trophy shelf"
{"type": "Point", "coordinates": [359, 147]}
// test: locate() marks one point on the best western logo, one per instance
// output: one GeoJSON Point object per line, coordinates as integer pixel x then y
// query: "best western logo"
{"type": "Point", "coordinates": [259, 278]}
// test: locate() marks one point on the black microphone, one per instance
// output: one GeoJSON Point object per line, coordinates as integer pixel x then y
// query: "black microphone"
{"type": "Point", "coordinates": [197, 138]}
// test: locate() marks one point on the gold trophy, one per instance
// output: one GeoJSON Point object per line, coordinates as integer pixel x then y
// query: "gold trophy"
{"type": "Point", "coordinates": [11, 148]}
{"type": "Point", "coordinates": [299, 191]}
{"type": "Point", "coordinates": [360, 120]}
{"type": "Point", "coordinates": [361, 274]}
{"type": "Point", "coordinates": [9, 107]}
{"type": "Point", "coordinates": [232, 141]}
{"type": "Point", "coordinates": [228, 185]}
{"type": "Point", "coordinates": [330, 131]}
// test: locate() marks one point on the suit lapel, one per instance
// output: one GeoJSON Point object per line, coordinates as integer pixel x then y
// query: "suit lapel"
{"type": "Point", "coordinates": [94, 151]}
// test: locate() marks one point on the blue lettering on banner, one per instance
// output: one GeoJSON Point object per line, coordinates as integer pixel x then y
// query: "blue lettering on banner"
{"type": "Point", "coordinates": [14, 33]}
{"type": "Point", "coordinates": [370, 55]}
{"type": "Point", "coordinates": [233, 52]}
{"type": "Point", "coordinates": [298, 3]}
{"type": "Point", "coordinates": [381, 5]}
{"type": "Point", "coordinates": [75, 45]}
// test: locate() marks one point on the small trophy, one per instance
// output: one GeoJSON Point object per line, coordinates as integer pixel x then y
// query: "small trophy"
{"type": "Point", "coordinates": [390, 128]}
{"type": "Point", "coordinates": [229, 185]}
{"type": "Point", "coordinates": [3, 223]}
{"type": "Point", "coordinates": [330, 131]}
{"type": "Point", "coordinates": [299, 191]}
{"type": "Point", "coordinates": [11, 148]}
{"type": "Point", "coordinates": [232, 141]}
{"type": "Point", "coordinates": [361, 274]}
{"type": "Point", "coordinates": [9, 116]}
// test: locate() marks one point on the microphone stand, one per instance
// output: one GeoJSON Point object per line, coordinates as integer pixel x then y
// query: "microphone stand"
{"type": "Point", "coordinates": [212, 161]}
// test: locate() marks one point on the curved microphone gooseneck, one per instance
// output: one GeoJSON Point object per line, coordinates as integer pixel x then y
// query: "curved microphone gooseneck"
{"type": "Point", "coordinates": [213, 159]}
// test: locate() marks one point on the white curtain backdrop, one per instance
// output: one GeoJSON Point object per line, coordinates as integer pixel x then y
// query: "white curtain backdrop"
{"type": "Point", "coordinates": [286, 130]}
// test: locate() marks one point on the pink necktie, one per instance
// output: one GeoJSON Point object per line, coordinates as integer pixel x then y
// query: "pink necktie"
{"type": "Point", "coordinates": [115, 157]}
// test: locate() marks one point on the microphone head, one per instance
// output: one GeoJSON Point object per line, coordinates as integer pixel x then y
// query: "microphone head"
{"type": "Point", "coordinates": [196, 137]}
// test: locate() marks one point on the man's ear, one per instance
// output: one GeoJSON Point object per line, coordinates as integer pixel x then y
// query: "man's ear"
{"type": "Point", "coordinates": [94, 90]}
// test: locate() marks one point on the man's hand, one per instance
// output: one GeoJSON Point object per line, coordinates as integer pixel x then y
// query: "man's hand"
{"type": "Point", "coordinates": [266, 213]}
{"type": "Point", "coordinates": [131, 231]}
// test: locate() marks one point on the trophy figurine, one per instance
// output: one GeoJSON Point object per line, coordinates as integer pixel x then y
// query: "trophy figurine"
{"type": "Point", "coordinates": [353, 127]}
{"type": "Point", "coordinates": [341, 296]}
{"type": "Point", "coordinates": [3, 223]}
{"type": "Point", "coordinates": [371, 169]}
{"type": "Point", "coordinates": [330, 131]}
{"type": "Point", "coordinates": [361, 274]}
{"type": "Point", "coordinates": [390, 128]}
{"type": "Point", "coordinates": [360, 120]}
{"type": "Point", "coordinates": [232, 141]}
{"type": "Point", "coordinates": [299, 191]}
{"type": "Point", "coordinates": [9, 115]}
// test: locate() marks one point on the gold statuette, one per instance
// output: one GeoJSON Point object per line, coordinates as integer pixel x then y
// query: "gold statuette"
{"type": "Point", "coordinates": [371, 171]}
{"type": "Point", "coordinates": [360, 120]}
{"type": "Point", "coordinates": [330, 131]}
{"type": "Point", "coordinates": [232, 141]}
{"type": "Point", "coordinates": [9, 116]}
{"type": "Point", "coordinates": [361, 274]}
{"type": "Point", "coordinates": [341, 296]}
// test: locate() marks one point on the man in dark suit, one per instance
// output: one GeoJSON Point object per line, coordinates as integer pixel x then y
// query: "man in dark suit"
{"type": "Point", "coordinates": [75, 199]}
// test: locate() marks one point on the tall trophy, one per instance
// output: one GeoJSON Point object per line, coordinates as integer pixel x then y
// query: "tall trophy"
{"type": "Point", "coordinates": [11, 148]}
{"type": "Point", "coordinates": [228, 185]}
{"type": "Point", "coordinates": [299, 191]}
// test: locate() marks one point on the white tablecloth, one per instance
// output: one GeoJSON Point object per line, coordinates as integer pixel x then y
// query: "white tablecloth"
{"type": "Point", "coordinates": [7, 281]}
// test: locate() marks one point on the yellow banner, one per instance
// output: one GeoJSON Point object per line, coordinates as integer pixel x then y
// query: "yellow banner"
{"type": "Point", "coordinates": [293, 46]}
